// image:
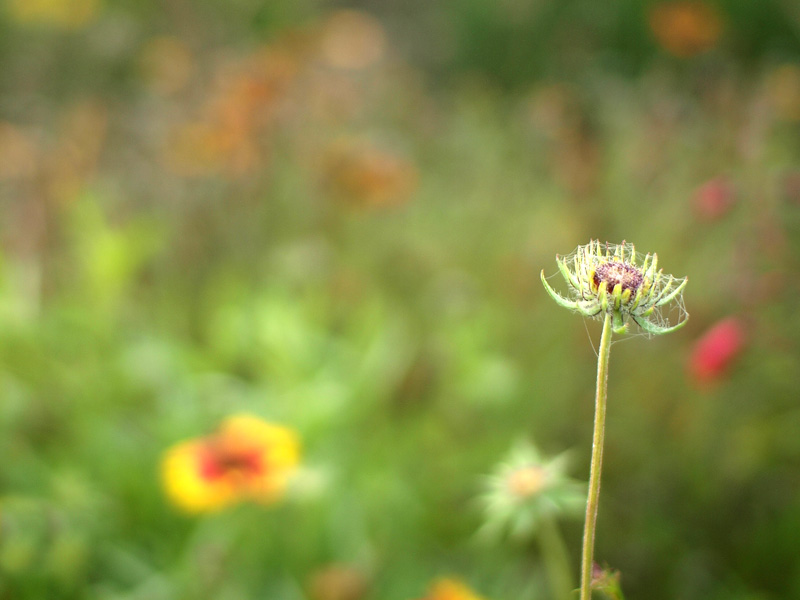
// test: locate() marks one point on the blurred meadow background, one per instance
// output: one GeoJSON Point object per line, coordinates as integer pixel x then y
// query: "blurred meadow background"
{"type": "Point", "coordinates": [271, 323]}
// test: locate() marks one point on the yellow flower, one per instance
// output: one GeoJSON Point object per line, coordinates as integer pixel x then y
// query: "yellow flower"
{"type": "Point", "coordinates": [245, 459]}
{"type": "Point", "coordinates": [451, 589]}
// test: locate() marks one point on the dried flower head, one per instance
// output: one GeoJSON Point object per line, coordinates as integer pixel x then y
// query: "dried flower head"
{"type": "Point", "coordinates": [614, 279]}
{"type": "Point", "coordinates": [526, 488]}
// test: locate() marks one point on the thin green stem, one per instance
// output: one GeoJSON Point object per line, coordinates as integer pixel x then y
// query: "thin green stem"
{"type": "Point", "coordinates": [556, 559]}
{"type": "Point", "coordinates": [597, 459]}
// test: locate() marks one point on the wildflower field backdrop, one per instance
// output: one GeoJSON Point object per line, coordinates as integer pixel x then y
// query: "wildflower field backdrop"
{"type": "Point", "coordinates": [271, 317]}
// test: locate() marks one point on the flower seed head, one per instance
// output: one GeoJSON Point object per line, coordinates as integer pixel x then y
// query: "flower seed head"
{"type": "Point", "coordinates": [613, 273]}
{"type": "Point", "coordinates": [614, 279]}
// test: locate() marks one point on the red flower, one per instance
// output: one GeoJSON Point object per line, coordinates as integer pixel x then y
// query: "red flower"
{"type": "Point", "coordinates": [714, 199]}
{"type": "Point", "coordinates": [245, 459]}
{"type": "Point", "coordinates": [715, 351]}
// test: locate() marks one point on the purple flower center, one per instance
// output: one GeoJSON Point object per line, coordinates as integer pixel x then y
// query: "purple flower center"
{"type": "Point", "coordinates": [616, 272]}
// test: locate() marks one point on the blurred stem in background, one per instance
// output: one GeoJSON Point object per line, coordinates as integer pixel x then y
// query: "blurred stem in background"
{"type": "Point", "coordinates": [597, 459]}
{"type": "Point", "coordinates": [525, 497]}
{"type": "Point", "coordinates": [556, 559]}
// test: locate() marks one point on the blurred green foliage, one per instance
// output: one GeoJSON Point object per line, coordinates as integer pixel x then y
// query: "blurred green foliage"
{"type": "Point", "coordinates": [221, 207]}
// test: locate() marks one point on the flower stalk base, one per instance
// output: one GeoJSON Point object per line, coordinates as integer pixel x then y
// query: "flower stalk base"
{"type": "Point", "coordinates": [597, 459]}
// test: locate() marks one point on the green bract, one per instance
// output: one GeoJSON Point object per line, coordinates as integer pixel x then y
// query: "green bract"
{"type": "Point", "coordinates": [614, 279]}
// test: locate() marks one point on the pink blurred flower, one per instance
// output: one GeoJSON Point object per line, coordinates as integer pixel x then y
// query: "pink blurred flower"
{"type": "Point", "coordinates": [714, 199]}
{"type": "Point", "coordinates": [716, 350]}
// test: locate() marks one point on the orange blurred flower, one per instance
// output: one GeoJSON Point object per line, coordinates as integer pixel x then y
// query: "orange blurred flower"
{"type": "Point", "coordinates": [236, 115]}
{"type": "Point", "coordinates": [202, 148]}
{"type": "Point", "coordinates": [338, 582]}
{"type": "Point", "coordinates": [716, 350]}
{"type": "Point", "coordinates": [352, 40]}
{"type": "Point", "coordinates": [61, 13]}
{"type": "Point", "coordinates": [366, 176]}
{"type": "Point", "coordinates": [18, 152]}
{"type": "Point", "coordinates": [685, 28]}
{"type": "Point", "coordinates": [75, 159]}
{"type": "Point", "coordinates": [450, 589]}
{"type": "Point", "coordinates": [245, 459]}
